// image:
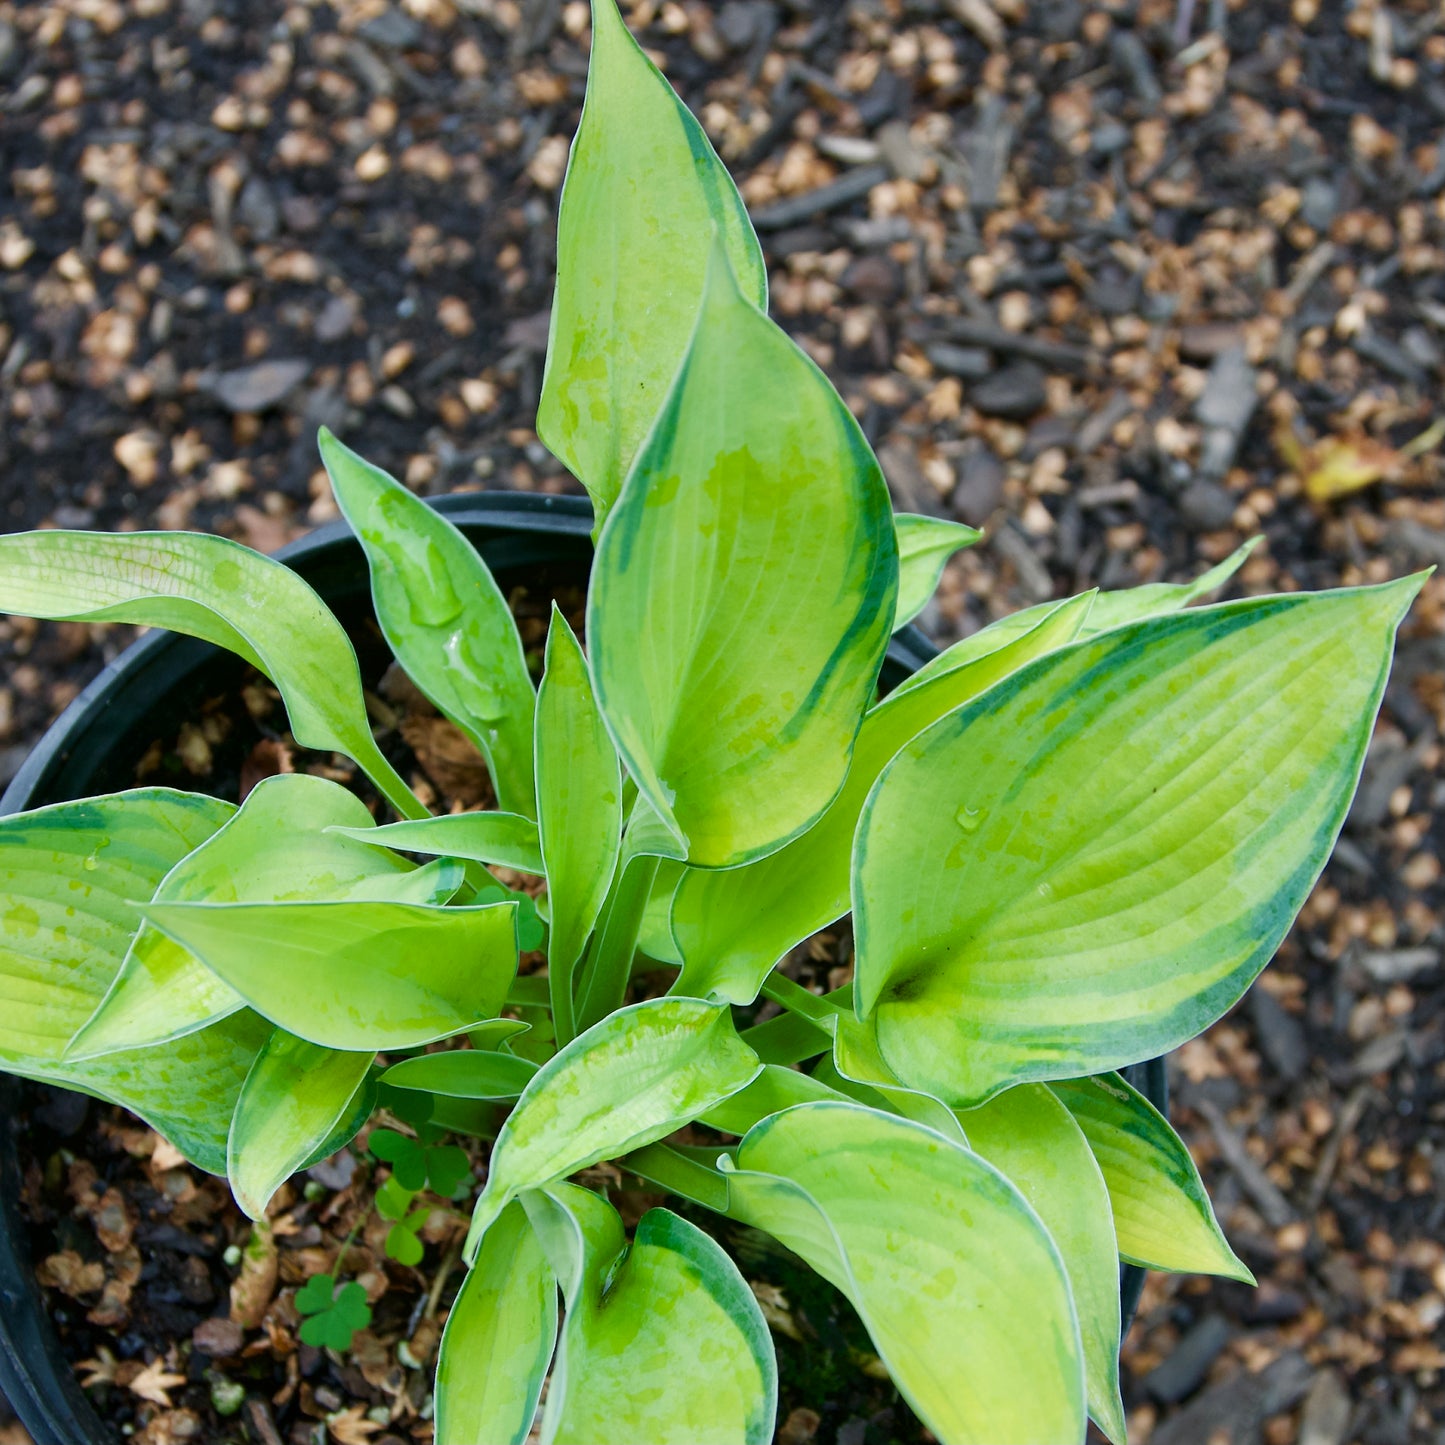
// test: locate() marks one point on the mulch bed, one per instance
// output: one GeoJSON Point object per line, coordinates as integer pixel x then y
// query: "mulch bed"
{"type": "Point", "coordinates": [1124, 282]}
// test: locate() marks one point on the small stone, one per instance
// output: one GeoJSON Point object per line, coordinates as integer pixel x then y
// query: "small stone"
{"type": "Point", "coordinates": [337, 318]}
{"type": "Point", "coordinates": [972, 363]}
{"type": "Point", "coordinates": [1229, 396]}
{"type": "Point", "coordinates": [980, 486]}
{"type": "Point", "coordinates": [1206, 507]}
{"type": "Point", "coordinates": [219, 1338]}
{"type": "Point", "coordinates": [62, 1111]}
{"type": "Point", "coordinates": [1281, 1035]}
{"type": "Point", "coordinates": [739, 23]}
{"type": "Point", "coordinates": [1206, 339]}
{"type": "Point", "coordinates": [255, 388]}
{"type": "Point", "coordinates": [875, 280]}
{"type": "Point", "coordinates": [1015, 392]}
{"type": "Point", "coordinates": [392, 29]}
{"type": "Point", "coordinates": [1183, 1372]}
{"type": "Point", "coordinates": [257, 210]}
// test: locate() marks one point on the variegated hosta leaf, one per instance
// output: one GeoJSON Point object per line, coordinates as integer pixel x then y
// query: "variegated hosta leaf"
{"type": "Point", "coordinates": [275, 848]}
{"type": "Point", "coordinates": [295, 1096]}
{"type": "Point", "coordinates": [1107, 610]}
{"type": "Point", "coordinates": [579, 809]}
{"type": "Point", "coordinates": [775, 1089]}
{"type": "Point", "coordinates": [214, 589]}
{"type": "Point", "coordinates": [663, 1343]}
{"type": "Point", "coordinates": [732, 925]}
{"type": "Point", "coordinates": [444, 617]}
{"type": "Point", "coordinates": [509, 839]}
{"type": "Point", "coordinates": [498, 1339]}
{"type": "Point", "coordinates": [962, 1290]}
{"type": "Point", "coordinates": [1031, 1139]}
{"type": "Point", "coordinates": [1091, 863]}
{"type": "Point", "coordinates": [734, 708]}
{"type": "Point", "coordinates": [1162, 1215]}
{"type": "Point", "coordinates": [644, 197]}
{"type": "Point", "coordinates": [71, 876]}
{"type": "Point", "coordinates": [924, 546]}
{"type": "Point", "coordinates": [463, 1074]}
{"type": "Point", "coordinates": [359, 976]}
{"type": "Point", "coordinates": [642, 1072]}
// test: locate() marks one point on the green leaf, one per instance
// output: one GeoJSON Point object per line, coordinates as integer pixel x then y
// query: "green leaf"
{"type": "Point", "coordinates": [407, 1158]}
{"type": "Point", "coordinates": [505, 838]}
{"type": "Point", "coordinates": [776, 1088]}
{"type": "Point", "coordinates": [393, 1199]}
{"type": "Point", "coordinates": [579, 809]}
{"type": "Point", "coordinates": [220, 591]}
{"type": "Point", "coordinates": [1108, 610]}
{"type": "Point", "coordinates": [498, 1339]}
{"type": "Point", "coordinates": [1154, 599]}
{"type": "Point", "coordinates": [663, 1342]}
{"type": "Point", "coordinates": [857, 1060]}
{"type": "Point", "coordinates": [735, 706]}
{"type": "Point", "coordinates": [71, 876]}
{"type": "Point", "coordinates": [365, 976]}
{"type": "Point", "coordinates": [1033, 1141]}
{"type": "Point", "coordinates": [961, 1289]}
{"type": "Point", "coordinates": [633, 1078]}
{"type": "Point", "coordinates": [274, 849]}
{"type": "Point", "coordinates": [1088, 865]}
{"type": "Point", "coordinates": [403, 1242]}
{"type": "Point", "coordinates": [732, 926]}
{"type": "Point", "coordinates": [655, 937]}
{"type": "Point", "coordinates": [463, 1074]}
{"type": "Point", "coordinates": [924, 546]}
{"type": "Point", "coordinates": [644, 198]}
{"type": "Point", "coordinates": [1162, 1215]}
{"type": "Point", "coordinates": [334, 1316]}
{"type": "Point", "coordinates": [293, 1099]}
{"type": "Point", "coordinates": [444, 617]}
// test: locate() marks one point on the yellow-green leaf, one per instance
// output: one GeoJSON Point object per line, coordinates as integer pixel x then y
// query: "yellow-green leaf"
{"type": "Point", "coordinates": [924, 546]}
{"type": "Point", "coordinates": [644, 197]}
{"type": "Point", "coordinates": [1088, 865]}
{"type": "Point", "coordinates": [217, 590]}
{"type": "Point", "coordinates": [444, 617]}
{"type": "Point", "coordinates": [961, 1289]}
{"type": "Point", "coordinates": [579, 810]}
{"type": "Point", "coordinates": [356, 976]}
{"type": "Point", "coordinates": [1033, 1141]}
{"type": "Point", "coordinates": [509, 839]}
{"type": "Point", "coordinates": [71, 876]}
{"type": "Point", "coordinates": [735, 707]}
{"type": "Point", "coordinates": [1162, 1215]}
{"type": "Point", "coordinates": [642, 1072]}
{"type": "Point", "coordinates": [290, 1105]}
{"type": "Point", "coordinates": [276, 848]}
{"type": "Point", "coordinates": [731, 926]}
{"type": "Point", "coordinates": [498, 1340]}
{"type": "Point", "coordinates": [663, 1342]}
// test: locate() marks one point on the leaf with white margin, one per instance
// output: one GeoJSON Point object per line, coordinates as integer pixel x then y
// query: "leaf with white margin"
{"type": "Point", "coordinates": [295, 1096]}
{"type": "Point", "coordinates": [924, 546]}
{"type": "Point", "coordinates": [1031, 1139]}
{"type": "Point", "coordinates": [644, 198]}
{"type": "Point", "coordinates": [1162, 1214]}
{"type": "Point", "coordinates": [498, 1339]}
{"type": "Point", "coordinates": [664, 1342]}
{"type": "Point", "coordinates": [71, 876]}
{"type": "Point", "coordinates": [579, 809]}
{"type": "Point", "coordinates": [731, 926]}
{"type": "Point", "coordinates": [355, 976]}
{"type": "Point", "coordinates": [958, 1283]}
{"type": "Point", "coordinates": [463, 1074]}
{"type": "Point", "coordinates": [508, 839]}
{"type": "Point", "coordinates": [224, 593]}
{"type": "Point", "coordinates": [274, 848]}
{"type": "Point", "coordinates": [443, 616]}
{"type": "Point", "coordinates": [1108, 610]}
{"type": "Point", "coordinates": [633, 1078]}
{"type": "Point", "coordinates": [1089, 865]}
{"type": "Point", "coordinates": [734, 709]}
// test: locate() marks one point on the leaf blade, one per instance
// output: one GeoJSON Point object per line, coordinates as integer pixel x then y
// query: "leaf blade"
{"type": "Point", "coordinates": [924, 546]}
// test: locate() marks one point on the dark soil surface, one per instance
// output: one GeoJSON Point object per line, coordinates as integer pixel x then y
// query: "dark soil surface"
{"type": "Point", "coordinates": [1126, 282]}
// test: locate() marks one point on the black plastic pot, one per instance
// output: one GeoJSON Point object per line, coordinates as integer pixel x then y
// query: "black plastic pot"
{"type": "Point", "coordinates": [136, 699]}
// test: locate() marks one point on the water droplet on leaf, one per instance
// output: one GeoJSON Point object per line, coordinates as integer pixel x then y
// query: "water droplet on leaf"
{"type": "Point", "coordinates": [969, 819]}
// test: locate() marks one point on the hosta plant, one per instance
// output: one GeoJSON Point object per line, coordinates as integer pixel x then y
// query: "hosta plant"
{"type": "Point", "coordinates": [1067, 844]}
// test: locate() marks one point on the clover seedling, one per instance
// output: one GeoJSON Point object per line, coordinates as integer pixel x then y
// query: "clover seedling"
{"type": "Point", "coordinates": [1068, 844]}
{"type": "Point", "coordinates": [331, 1316]}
